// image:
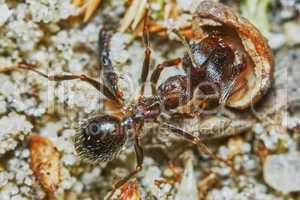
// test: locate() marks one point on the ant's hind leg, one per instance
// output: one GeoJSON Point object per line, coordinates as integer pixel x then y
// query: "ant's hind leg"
{"type": "Point", "coordinates": [99, 86]}
{"type": "Point", "coordinates": [196, 140]}
{"type": "Point", "coordinates": [140, 159]}
{"type": "Point", "coordinates": [110, 77]}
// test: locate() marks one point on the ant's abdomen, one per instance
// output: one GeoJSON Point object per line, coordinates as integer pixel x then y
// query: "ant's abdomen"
{"type": "Point", "coordinates": [100, 138]}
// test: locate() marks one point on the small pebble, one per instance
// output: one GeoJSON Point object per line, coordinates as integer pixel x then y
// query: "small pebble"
{"type": "Point", "coordinates": [276, 40]}
{"type": "Point", "coordinates": [282, 172]}
{"type": "Point", "coordinates": [4, 14]}
{"type": "Point", "coordinates": [292, 31]}
{"type": "Point", "coordinates": [188, 187]}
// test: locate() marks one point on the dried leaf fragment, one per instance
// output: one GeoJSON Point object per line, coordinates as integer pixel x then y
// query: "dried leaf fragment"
{"type": "Point", "coordinates": [171, 10]}
{"type": "Point", "coordinates": [8, 69]}
{"type": "Point", "coordinates": [92, 6]}
{"type": "Point", "coordinates": [77, 2]}
{"type": "Point", "coordinates": [130, 191]}
{"type": "Point", "coordinates": [134, 15]}
{"type": "Point", "coordinates": [207, 183]}
{"type": "Point", "coordinates": [87, 7]}
{"type": "Point", "coordinates": [45, 162]}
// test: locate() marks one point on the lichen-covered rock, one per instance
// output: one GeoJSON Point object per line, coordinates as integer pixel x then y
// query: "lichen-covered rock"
{"type": "Point", "coordinates": [282, 172]}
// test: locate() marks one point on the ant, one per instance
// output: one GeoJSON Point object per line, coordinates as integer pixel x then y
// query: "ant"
{"type": "Point", "coordinates": [211, 60]}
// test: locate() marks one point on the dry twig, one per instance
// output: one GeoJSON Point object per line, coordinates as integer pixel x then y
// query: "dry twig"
{"type": "Point", "coordinates": [87, 7]}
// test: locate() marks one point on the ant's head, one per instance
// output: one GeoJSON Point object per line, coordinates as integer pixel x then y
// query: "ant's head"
{"type": "Point", "coordinates": [100, 138]}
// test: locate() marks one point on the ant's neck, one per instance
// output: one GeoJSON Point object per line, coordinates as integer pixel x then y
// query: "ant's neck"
{"type": "Point", "coordinates": [146, 108]}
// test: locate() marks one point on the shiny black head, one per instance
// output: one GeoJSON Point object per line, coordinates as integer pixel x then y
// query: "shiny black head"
{"type": "Point", "coordinates": [100, 138]}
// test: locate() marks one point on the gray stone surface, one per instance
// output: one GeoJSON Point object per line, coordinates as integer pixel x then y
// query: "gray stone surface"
{"type": "Point", "coordinates": [282, 172]}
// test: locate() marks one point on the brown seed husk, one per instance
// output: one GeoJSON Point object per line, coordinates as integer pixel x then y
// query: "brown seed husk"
{"type": "Point", "coordinates": [260, 74]}
{"type": "Point", "coordinates": [45, 162]}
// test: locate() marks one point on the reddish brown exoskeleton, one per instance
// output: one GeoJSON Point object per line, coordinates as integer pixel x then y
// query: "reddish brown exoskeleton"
{"type": "Point", "coordinates": [228, 54]}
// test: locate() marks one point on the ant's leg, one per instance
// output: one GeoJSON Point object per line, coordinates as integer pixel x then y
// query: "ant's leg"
{"type": "Point", "coordinates": [140, 159]}
{"type": "Point", "coordinates": [146, 63]}
{"type": "Point", "coordinates": [109, 75]}
{"type": "Point", "coordinates": [185, 30]}
{"type": "Point", "coordinates": [158, 69]}
{"type": "Point", "coordinates": [8, 69]}
{"type": "Point", "coordinates": [196, 140]}
{"type": "Point", "coordinates": [99, 86]}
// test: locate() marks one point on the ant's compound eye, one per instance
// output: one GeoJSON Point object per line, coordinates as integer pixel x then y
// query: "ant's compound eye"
{"type": "Point", "coordinates": [100, 138]}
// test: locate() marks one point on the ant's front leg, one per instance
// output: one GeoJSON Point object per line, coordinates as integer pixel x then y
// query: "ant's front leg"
{"type": "Point", "coordinates": [197, 141]}
{"type": "Point", "coordinates": [139, 158]}
{"type": "Point", "coordinates": [109, 75]}
{"type": "Point", "coordinates": [158, 69]}
{"type": "Point", "coordinates": [99, 86]}
{"type": "Point", "coordinates": [146, 63]}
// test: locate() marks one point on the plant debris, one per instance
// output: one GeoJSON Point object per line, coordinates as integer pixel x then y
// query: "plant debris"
{"type": "Point", "coordinates": [87, 7]}
{"type": "Point", "coordinates": [45, 162]}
